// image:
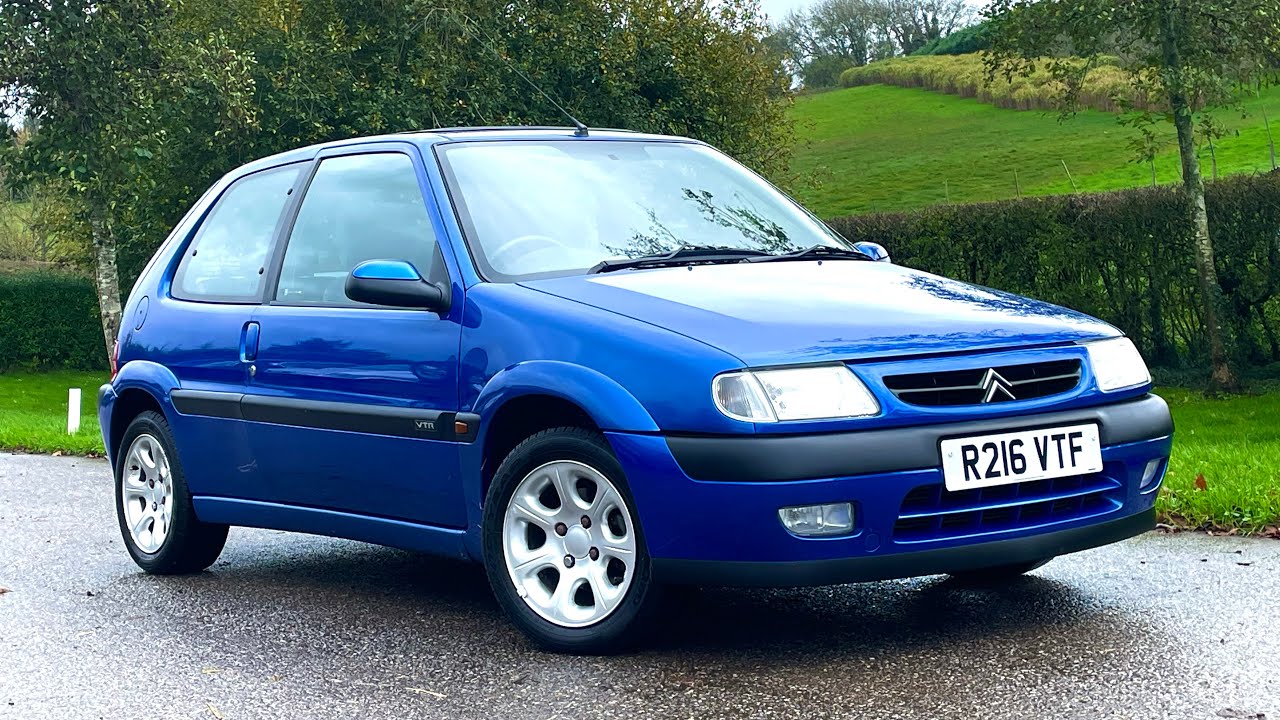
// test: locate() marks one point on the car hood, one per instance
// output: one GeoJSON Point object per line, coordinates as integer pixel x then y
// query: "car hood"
{"type": "Point", "coordinates": [809, 311]}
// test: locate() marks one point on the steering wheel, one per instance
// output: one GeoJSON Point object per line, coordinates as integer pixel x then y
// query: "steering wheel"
{"type": "Point", "coordinates": [508, 246]}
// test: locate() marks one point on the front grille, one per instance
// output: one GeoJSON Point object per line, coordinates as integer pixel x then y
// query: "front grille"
{"type": "Point", "coordinates": [931, 512]}
{"type": "Point", "coordinates": [972, 387]}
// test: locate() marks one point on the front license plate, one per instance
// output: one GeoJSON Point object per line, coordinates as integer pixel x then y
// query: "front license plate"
{"type": "Point", "coordinates": [1022, 456]}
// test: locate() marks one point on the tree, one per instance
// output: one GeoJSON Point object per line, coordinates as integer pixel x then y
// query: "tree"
{"type": "Point", "coordinates": [833, 35]}
{"type": "Point", "coordinates": [337, 69]}
{"type": "Point", "coordinates": [109, 88]}
{"type": "Point", "coordinates": [1185, 55]}
{"type": "Point", "coordinates": [142, 104]}
{"type": "Point", "coordinates": [914, 23]}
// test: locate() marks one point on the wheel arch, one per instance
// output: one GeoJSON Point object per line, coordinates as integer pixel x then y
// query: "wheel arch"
{"type": "Point", "coordinates": [139, 386]}
{"type": "Point", "coordinates": [534, 396]}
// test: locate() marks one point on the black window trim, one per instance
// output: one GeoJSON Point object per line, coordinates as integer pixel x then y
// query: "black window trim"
{"type": "Point", "coordinates": [285, 230]}
{"type": "Point", "coordinates": [175, 290]}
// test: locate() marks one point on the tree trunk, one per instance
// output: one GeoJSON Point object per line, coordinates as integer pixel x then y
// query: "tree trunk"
{"type": "Point", "coordinates": [1222, 377]}
{"type": "Point", "coordinates": [106, 277]}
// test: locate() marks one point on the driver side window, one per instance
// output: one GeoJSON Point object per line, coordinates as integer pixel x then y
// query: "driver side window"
{"type": "Point", "coordinates": [357, 208]}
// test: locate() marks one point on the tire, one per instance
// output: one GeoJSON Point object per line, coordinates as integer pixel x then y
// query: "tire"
{"type": "Point", "coordinates": [999, 574]}
{"type": "Point", "coordinates": [180, 545]}
{"type": "Point", "coordinates": [528, 539]}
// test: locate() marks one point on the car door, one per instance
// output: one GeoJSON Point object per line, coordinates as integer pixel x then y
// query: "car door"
{"type": "Point", "coordinates": [206, 316]}
{"type": "Point", "coordinates": [352, 404]}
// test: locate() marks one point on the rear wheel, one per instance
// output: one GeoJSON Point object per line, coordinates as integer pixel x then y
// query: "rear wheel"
{"type": "Point", "coordinates": [153, 504]}
{"type": "Point", "coordinates": [1000, 573]}
{"type": "Point", "coordinates": [562, 547]}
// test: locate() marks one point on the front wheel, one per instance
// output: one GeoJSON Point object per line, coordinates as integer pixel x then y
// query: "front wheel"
{"type": "Point", "coordinates": [999, 574]}
{"type": "Point", "coordinates": [562, 546]}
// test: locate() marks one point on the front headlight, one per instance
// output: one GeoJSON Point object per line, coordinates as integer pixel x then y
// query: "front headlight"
{"type": "Point", "coordinates": [808, 393]}
{"type": "Point", "coordinates": [1117, 364]}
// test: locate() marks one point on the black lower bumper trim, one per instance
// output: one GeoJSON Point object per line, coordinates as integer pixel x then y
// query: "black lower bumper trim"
{"type": "Point", "coordinates": [904, 564]}
{"type": "Point", "coordinates": [774, 458]}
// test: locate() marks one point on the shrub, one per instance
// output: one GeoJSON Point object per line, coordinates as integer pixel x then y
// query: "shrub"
{"type": "Point", "coordinates": [961, 42]}
{"type": "Point", "coordinates": [49, 320]}
{"type": "Point", "coordinates": [1105, 87]}
{"type": "Point", "coordinates": [1124, 256]}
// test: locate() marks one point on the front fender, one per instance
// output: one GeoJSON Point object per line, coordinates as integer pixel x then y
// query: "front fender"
{"type": "Point", "coordinates": [607, 402]}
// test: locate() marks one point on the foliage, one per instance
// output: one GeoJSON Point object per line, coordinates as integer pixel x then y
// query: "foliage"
{"type": "Point", "coordinates": [1180, 55]}
{"type": "Point", "coordinates": [824, 72]}
{"type": "Point", "coordinates": [1206, 50]}
{"type": "Point", "coordinates": [852, 33]}
{"type": "Point", "coordinates": [964, 41]}
{"type": "Point", "coordinates": [159, 98]}
{"type": "Point", "coordinates": [880, 148]}
{"type": "Point", "coordinates": [1104, 86]}
{"type": "Point", "coordinates": [50, 321]}
{"type": "Point", "coordinates": [110, 87]}
{"type": "Point", "coordinates": [1126, 257]}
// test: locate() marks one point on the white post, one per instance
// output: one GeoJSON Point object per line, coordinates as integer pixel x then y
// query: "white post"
{"type": "Point", "coordinates": [73, 411]}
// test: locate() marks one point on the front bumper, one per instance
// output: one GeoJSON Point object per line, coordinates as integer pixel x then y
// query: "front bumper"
{"type": "Point", "coordinates": [708, 507]}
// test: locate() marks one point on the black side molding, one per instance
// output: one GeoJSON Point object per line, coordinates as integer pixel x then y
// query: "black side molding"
{"type": "Point", "coordinates": [903, 564]}
{"type": "Point", "coordinates": [768, 458]}
{"type": "Point", "coordinates": [207, 403]}
{"type": "Point", "coordinates": [350, 417]}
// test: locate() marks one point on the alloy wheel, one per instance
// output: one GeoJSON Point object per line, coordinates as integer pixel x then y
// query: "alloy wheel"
{"type": "Point", "coordinates": [569, 544]}
{"type": "Point", "coordinates": [147, 493]}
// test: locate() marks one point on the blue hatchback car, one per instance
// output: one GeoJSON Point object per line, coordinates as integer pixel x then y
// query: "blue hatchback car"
{"type": "Point", "coordinates": [602, 363]}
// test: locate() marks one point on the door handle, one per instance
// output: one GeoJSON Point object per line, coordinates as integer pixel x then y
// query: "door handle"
{"type": "Point", "coordinates": [249, 342]}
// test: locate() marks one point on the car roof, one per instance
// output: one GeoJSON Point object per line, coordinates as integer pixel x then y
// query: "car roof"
{"type": "Point", "coordinates": [427, 138]}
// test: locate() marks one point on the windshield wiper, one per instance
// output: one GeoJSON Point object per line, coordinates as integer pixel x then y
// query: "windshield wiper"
{"type": "Point", "coordinates": [819, 252]}
{"type": "Point", "coordinates": [683, 255]}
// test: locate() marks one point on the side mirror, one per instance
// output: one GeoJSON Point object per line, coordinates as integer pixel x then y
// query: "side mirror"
{"type": "Point", "coordinates": [395, 283]}
{"type": "Point", "coordinates": [875, 250]}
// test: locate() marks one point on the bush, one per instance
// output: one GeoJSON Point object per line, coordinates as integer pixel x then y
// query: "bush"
{"type": "Point", "coordinates": [1106, 87]}
{"type": "Point", "coordinates": [824, 72]}
{"type": "Point", "coordinates": [961, 42]}
{"type": "Point", "coordinates": [49, 320]}
{"type": "Point", "coordinates": [1125, 257]}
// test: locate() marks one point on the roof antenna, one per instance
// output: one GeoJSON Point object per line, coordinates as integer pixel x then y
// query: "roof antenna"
{"type": "Point", "coordinates": [580, 130]}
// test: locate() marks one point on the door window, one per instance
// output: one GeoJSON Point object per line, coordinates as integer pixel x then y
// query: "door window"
{"type": "Point", "coordinates": [357, 208]}
{"type": "Point", "coordinates": [227, 259]}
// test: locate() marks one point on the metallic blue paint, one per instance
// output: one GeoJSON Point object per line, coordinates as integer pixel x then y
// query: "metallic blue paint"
{"type": "Point", "coordinates": [385, 270]}
{"type": "Point", "coordinates": [635, 350]}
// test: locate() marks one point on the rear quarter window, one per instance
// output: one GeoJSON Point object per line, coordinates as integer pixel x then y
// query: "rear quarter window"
{"type": "Point", "coordinates": [227, 260]}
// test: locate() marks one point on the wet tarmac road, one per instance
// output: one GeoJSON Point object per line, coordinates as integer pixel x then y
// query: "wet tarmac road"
{"type": "Point", "coordinates": [289, 626]}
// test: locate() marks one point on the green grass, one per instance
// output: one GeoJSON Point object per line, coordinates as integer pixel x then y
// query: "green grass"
{"type": "Point", "coordinates": [33, 412]}
{"type": "Point", "coordinates": [1234, 443]}
{"type": "Point", "coordinates": [884, 148]}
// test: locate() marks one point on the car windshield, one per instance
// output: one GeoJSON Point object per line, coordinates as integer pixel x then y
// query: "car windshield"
{"type": "Point", "coordinates": [545, 208]}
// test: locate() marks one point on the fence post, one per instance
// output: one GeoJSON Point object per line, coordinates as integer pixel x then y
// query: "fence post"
{"type": "Point", "coordinates": [1213, 157]}
{"type": "Point", "coordinates": [1271, 143]}
{"type": "Point", "coordinates": [73, 411]}
{"type": "Point", "coordinates": [1073, 180]}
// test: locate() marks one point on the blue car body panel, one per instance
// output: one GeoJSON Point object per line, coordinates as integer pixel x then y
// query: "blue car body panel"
{"type": "Point", "coordinates": [249, 388]}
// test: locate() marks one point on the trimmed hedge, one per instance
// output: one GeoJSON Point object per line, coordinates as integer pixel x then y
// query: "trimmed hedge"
{"type": "Point", "coordinates": [966, 76]}
{"type": "Point", "coordinates": [1124, 256]}
{"type": "Point", "coordinates": [49, 320]}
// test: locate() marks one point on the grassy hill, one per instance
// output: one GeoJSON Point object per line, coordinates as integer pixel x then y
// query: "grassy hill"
{"type": "Point", "coordinates": [879, 147]}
